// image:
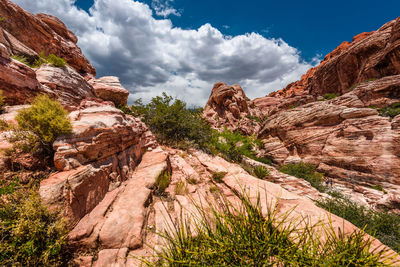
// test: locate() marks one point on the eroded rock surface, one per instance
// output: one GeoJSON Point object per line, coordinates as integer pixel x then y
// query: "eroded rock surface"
{"type": "Point", "coordinates": [103, 151]}
{"type": "Point", "coordinates": [228, 107]}
{"type": "Point", "coordinates": [109, 88]}
{"type": "Point", "coordinates": [40, 33]}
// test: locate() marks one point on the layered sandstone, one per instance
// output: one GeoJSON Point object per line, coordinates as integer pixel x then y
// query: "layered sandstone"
{"type": "Point", "coordinates": [40, 33]}
{"type": "Point", "coordinates": [103, 151]}
{"type": "Point", "coordinates": [369, 56]}
{"type": "Point", "coordinates": [109, 88]}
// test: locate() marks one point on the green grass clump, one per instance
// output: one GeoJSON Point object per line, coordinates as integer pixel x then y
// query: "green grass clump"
{"type": "Point", "coordinates": [254, 118]}
{"type": "Point", "coordinates": [42, 59]}
{"type": "Point", "coordinates": [384, 226]}
{"type": "Point", "coordinates": [162, 182]}
{"type": "Point", "coordinates": [261, 172]}
{"type": "Point", "coordinates": [307, 172]}
{"type": "Point", "coordinates": [378, 187]}
{"type": "Point", "coordinates": [173, 123]}
{"type": "Point", "coordinates": [390, 111]}
{"type": "Point", "coordinates": [330, 96]}
{"type": "Point", "coordinates": [30, 234]}
{"type": "Point", "coordinates": [218, 176]}
{"type": "Point", "coordinates": [231, 235]}
{"type": "Point", "coordinates": [22, 59]}
{"type": "Point", "coordinates": [40, 125]}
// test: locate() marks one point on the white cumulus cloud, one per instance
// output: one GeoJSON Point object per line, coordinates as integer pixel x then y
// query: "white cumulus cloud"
{"type": "Point", "coordinates": [123, 38]}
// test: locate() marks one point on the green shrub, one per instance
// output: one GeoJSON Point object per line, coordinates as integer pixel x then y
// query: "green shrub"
{"type": "Point", "coordinates": [30, 234]}
{"type": "Point", "coordinates": [261, 172]}
{"type": "Point", "coordinates": [307, 172]}
{"type": "Point", "coordinates": [378, 187]}
{"type": "Point", "coordinates": [2, 101]}
{"type": "Point", "coordinates": [218, 176]}
{"type": "Point", "coordinates": [22, 59]}
{"type": "Point", "coordinates": [390, 111]}
{"type": "Point", "coordinates": [40, 124]}
{"type": "Point", "coordinates": [173, 123]}
{"type": "Point", "coordinates": [162, 182]}
{"type": "Point", "coordinates": [56, 61]}
{"type": "Point", "coordinates": [384, 226]}
{"type": "Point", "coordinates": [330, 96]}
{"type": "Point", "coordinates": [241, 236]}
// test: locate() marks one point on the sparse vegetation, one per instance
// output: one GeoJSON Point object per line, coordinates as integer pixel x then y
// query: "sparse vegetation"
{"type": "Point", "coordinates": [42, 59]}
{"type": "Point", "coordinates": [260, 171]}
{"type": "Point", "coordinates": [378, 187]}
{"type": "Point", "coordinates": [162, 182]}
{"type": "Point", "coordinates": [30, 234]}
{"type": "Point", "coordinates": [39, 125]}
{"type": "Point", "coordinates": [254, 118]}
{"type": "Point", "coordinates": [22, 59]}
{"type": "Point", "coordinates": [173, 123]}
{"type": "Point", "coordinates": [307, 172]}
{"type": "Point", "coordinates": [390, 111]}
{"type": "Point", "coordinates": [292, 106]}
{"type": "Point", "coordinates": [330, 96]}
{"type": "Point", "coordinates": [192, 180]}
{"type": "Point", "coordinates": [218, 176]}
{"type": "Point", "coordinates": [241, 236]}
{"type": "Point", "coordinates": [384, 226]}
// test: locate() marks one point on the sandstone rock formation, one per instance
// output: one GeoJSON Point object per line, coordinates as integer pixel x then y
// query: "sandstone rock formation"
{"type": "Point", "coordinates": [369, 56]}
{"type": "Point", "coordinates": [109, 88]}
{"type": "Point", "coordinates": [40, 33]}
{"type": "Point", "coordinates": [103, 151]}
{"type": "Point", "coordinates": [17, 81]}
{"type": "Point", "coordinates": [228, 107]}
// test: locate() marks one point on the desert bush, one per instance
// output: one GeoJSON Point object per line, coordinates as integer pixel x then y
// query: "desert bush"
{"type": "Point", "coordinates": [330, 96]}
{"type": "Point", "coordinates": [22, 59]}
{"type": "Point", "coordinates": [56, 61]}
{"type": "Point", "coordinates": [384, 226]}
{"type": "Point", "coordinates": [173, 123]}
{"type": "Point", "coordinates": [181, 188]}
{"type": "Point", "coordinates": [229, 235]}
{"type": "Point", "coordinates": [40, 125]}
{"type": "Point", "coordinates": [307, 172]}
{"type": "Point", "coordinates": [30, 234]}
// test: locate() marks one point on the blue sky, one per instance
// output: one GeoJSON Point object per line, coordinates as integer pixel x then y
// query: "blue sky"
{"type": "Point", "coordinates": [313, 27]}
{"type": "Point", "coordinates": [183, 47]}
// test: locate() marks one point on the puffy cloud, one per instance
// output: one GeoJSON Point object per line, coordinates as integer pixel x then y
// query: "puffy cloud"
{"type": "Point", "coordinates": [122, 38]}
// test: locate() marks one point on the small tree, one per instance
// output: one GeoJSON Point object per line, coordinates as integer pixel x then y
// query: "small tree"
{"type": "Point", "coordinates": [40, 124]}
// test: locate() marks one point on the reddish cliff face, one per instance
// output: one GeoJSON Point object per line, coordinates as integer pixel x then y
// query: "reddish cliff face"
{"type": "Point", "coordinates": [369, 56]}
{"type": "Point", "coordinates": [28, 34]}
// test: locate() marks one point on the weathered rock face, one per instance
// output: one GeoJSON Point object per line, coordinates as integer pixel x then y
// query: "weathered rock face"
{"type": "Point", "coordinates": [228, 107]}
{"type": "Point", "coordinates": [64, 84]}
{"type": "Point", "coordinates": [344, 137]}
{"type": "Point", "coordinates": [122, 229]}
{"type": "Point", "coordinates": [369, 56]}
{"type": "Point", "coordinates": [17, 81]}
{"type": "Point", "coordinates": [103, 151]}
{"type": "Point", "coordinates": [40, 33]}
{"type": "Point", "coordinates": [109, 88]}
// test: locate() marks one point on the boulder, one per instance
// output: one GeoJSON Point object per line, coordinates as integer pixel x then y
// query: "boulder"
{"type": "Point", "coordinates": [109, 88]}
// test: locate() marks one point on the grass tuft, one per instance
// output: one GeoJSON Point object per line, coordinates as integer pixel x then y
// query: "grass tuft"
{"type": "Point", "coordinates": [218, 176]}
{"type": "Point", "coordinates": [162, 182]}
{"type": "Point", "coordinates": [232, 235]}
{"type": "Point", "coordinates": [307, 172]}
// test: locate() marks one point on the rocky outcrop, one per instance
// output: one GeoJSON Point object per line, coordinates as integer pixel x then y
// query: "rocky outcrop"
{"type": "Point", "coordinates": [228, 107]}
{"type": "Point", "coordinates": [109, 88]}
{"type": "Point", "coordinates": [40, 33]}
{"type": "Point", "coordinates": [17, 81]}
{"type": "Point", "coordinates": [65, 85]}
{"type": "Point", "coordinates": [103, 151]}
{"type": "Point", "coordinates": [369, 56]}
{"type": "Point", "coordinates": [122, 229]}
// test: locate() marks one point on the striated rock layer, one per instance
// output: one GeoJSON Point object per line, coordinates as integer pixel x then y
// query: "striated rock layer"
{"type": "Point", "coordinates": [26, 34]}
{"type": "Point", "coordinates": [103, 151]}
